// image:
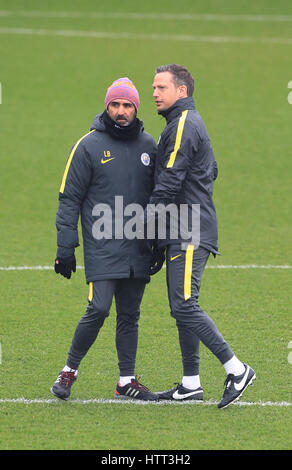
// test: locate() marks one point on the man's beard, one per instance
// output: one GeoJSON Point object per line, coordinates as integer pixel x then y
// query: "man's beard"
{"type": "Point", "coordinates": [123, 132]}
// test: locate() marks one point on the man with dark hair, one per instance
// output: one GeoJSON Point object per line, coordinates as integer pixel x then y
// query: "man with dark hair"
{"type": "Point", "coordinates": [185, 171]}
{"type": "Point", "coordinates": [180, 76]}
{"type": "Point", "coordinates": [116, 158]}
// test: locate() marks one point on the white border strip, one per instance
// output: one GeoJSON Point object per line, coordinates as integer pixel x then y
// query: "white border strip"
{"type": "Point", "coordinates": [149, 37]}
{"type": "Point", "coordinates": [219, 266]}
{"type": "Point", "coordinates": [145, 16]}
{"type": "Point", "coordinates": [102, 401]}
{"type": "Point", "coordinates": [31, 268]}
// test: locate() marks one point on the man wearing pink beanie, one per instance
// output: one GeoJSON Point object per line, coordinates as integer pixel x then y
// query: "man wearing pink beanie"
{"type": "Point", "coordinates": [115, 159]}
{"type": "Point", "coordinates": [121, 106]}
{"type": "Point", "coordinates": [125, 89]}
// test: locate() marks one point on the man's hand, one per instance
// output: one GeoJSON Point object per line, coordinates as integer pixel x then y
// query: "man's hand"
{"type": "Point", "coordinates": [158, 260]}
{"type": "Point", "coordinates": [65, 266]}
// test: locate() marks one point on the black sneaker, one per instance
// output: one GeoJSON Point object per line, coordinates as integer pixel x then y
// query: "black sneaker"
{"type": "Point", "coordinates": [181, 393]}
{"type": "Point", "coordinates": [63, 384]}
{"type": "Point", "coordinates": [235, 386]}
{"type": "Point", "coordinates": [136, 391]}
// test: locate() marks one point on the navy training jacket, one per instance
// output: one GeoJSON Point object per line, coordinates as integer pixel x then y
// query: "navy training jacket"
{"type": "Point", "coordinates": [186, 169]}
{"type": "Point", "coordinates": [98, 169]}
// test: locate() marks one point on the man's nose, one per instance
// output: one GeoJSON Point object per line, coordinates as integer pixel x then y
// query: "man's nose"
{"type": "Point", "coordinates": [121, 109]}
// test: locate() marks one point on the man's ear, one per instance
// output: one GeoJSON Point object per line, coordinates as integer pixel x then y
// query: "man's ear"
{"type": "Point", "coordinates": [183, 91]}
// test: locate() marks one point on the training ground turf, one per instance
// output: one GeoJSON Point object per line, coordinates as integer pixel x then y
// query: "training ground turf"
{"type": "Point", "coordinates": [57, 59]}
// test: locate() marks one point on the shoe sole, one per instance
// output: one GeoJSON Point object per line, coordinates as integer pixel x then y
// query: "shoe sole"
{"type": "Point", "coordinates": [181, 399]}
{"type": "Point", "coordinates": [124, 397]}
{"type": "Point", "coordinates": [238, 397]}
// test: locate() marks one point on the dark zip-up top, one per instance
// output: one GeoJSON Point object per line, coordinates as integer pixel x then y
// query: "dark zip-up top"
{"type": "Point", "coordinates": [99, 168]}
{"type": "Point", "coordinates": [186, 169]}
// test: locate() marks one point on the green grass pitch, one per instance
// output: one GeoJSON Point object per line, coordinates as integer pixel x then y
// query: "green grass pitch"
{"type": "Point", "coordinates": [57, 59]}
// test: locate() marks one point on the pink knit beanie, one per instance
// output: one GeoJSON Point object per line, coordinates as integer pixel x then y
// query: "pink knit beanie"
{"type": "Point", "coordinates": [122, 88]}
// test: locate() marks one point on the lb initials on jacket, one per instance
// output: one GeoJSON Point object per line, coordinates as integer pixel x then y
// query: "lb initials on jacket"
{"type": "Point", "coordinates": [107, 156]}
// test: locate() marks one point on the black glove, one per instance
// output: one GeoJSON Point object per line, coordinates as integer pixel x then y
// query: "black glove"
{"type": "Point", "coordinates": [65, 266]}
{"type": "Point", "coordinates": [158, 260]}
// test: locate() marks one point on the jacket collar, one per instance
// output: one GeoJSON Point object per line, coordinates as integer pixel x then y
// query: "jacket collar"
{"type": "Point", "coordinates": [177, 108]}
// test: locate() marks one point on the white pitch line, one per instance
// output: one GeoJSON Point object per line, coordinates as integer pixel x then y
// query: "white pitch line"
{"type": "Point", "coordinates": [249, 266]}
{"type": "Point", "coordinates": [149, 37]}
{"type": "Point", "coordinates": [30, 268]}
{"type": "Point", "coordinates": [103, 401]}
{"type": "Point", "coordinates": [145, 16]}
{"type": "Point", "coordinates": [219, 266]}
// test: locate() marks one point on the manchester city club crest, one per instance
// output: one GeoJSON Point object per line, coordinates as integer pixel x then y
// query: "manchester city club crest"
{"type": "Point", "coordinates": [145, 159]}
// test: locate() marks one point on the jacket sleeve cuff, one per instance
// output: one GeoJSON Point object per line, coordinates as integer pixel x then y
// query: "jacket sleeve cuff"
{"type": "Point", "coordinates": [67, 238]}
{"type": "Point", "coordinates": [63, 252]}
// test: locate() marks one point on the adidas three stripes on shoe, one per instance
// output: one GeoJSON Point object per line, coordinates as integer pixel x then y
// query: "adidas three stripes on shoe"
{"type": "Point", "coordinates": [134, 391]}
